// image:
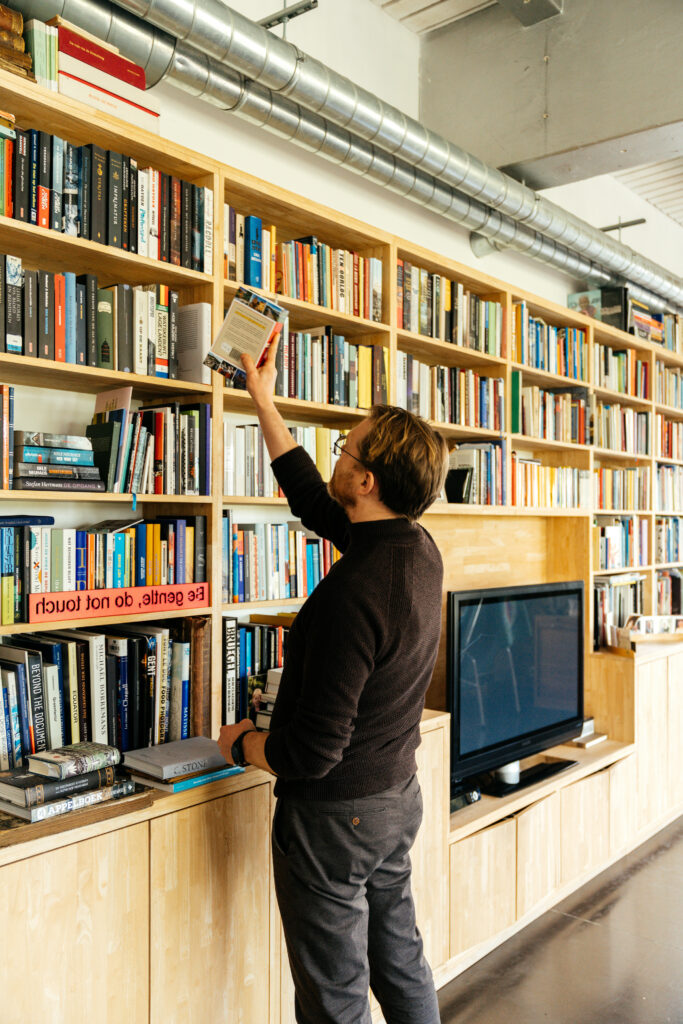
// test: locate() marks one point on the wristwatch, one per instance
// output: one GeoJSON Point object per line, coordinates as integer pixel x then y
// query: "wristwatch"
{"type": "Point", "coordinates": [237, 750]}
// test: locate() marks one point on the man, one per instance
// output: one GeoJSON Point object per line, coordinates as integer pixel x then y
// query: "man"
{"type": "Point", "coordinates": [345, 725]}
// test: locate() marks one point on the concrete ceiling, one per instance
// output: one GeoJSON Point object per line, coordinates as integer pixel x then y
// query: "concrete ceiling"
{"type": "Point", "coordinates": [661, 184]}
{"type": "Point", "coordinates": [425, 15]}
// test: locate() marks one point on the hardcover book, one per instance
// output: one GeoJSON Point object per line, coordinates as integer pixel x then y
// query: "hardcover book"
{"type": "Point", "coordinates": [75, 759]}
{"type": "Point", "coordinates": [179, 758]}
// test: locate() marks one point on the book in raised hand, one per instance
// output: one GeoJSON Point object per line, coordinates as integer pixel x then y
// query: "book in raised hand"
{"type": "Point", "coordinates": [70, 803]}
{"type": "Point", "coordinates": [177, 759]}
{"type": "Point", "coordinates": [75, 759]}
{"type": "Point", "coordinates": [251, 325]}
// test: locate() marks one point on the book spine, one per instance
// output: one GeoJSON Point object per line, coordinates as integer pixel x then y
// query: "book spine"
{"type": "Point", "coordinates": [185, 224]}
{"type": "Point", "coordinates": [44, 167]}
{"type": "Point", "coordinates": [98, 194]}
{"type": "Point", "coordinates": [164, 217]}
{"type": "Point", "coordinates": [54, 789]}
{"type": "Point", "coordinates": [85, 154]}
{"type": "Point", "coordinates": [21, 177]}
{"type": "Point", "coordinates": [57, 183]}
{"type": "Point", "coordinates": [114, 198]}
{"type": "Point", "coordinates": [133, 206]}
{"type": "Point", "coordinates": [73, 803]}
{"type": "Point", "coordinates": [13, 304]}
{"type": "Point", "coordinates": [125, 203]}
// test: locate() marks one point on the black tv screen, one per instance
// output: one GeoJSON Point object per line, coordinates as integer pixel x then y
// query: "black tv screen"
{"type": "Point", "coordinates": [514, 674]}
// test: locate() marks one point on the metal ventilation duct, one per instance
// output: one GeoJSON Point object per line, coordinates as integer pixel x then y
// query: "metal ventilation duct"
{"type": "Point", "coordinates": [163, 57]}
{"type": "Point", "coordinates": [230, 38]}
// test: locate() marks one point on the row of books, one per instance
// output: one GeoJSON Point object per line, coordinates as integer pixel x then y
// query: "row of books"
{"type": "Point", "coordinates": [669, 493]}
{"type": "Point", "coordinates": [558, 415]}
{"type": "Point", "coordinates": [263, 695]}
{"type": "Point", "coordinates": [250, 651]}
{"type": "Point", "coordinates": [248, 250]}
{"type": "Point", "coordinates": [6, 436]}
{"type": "Point", "coordinates": [560, 350]}
{"type": "Point", "coordinates": [436, 307]}
{"type": "Point", "coordinates": [336, 278]}
{"type": "Point", "coordinates": [668, 438]}
{"type": "Point", "coordinates": [68, 318]}
{"type": "Point", "coordinates": [486, 461]}
{"type": "Point", "coordinates": [615, 598]}
{"type": "Point", "coordinates": [271, 561]}
{"type": "Point", "coordinates": [77, 64]}
{"type": "Point", "coordinates": [668, 539]}
{"type": "Point", "coordinates": [161, 449]}
{"type": "Point", "coordinates": [628, 488]}
{"type": "Point", "coordinates": [89, 192]}
{"type": "Point", "coordinates": [449, 394]}
{"type": "Point", "coordinates": [39, 557]}
{"type": "Point", "coordinates": [668, 589]}
{"type": "Point", "coordinates": [13, 55]}
{"type": "Point", "coordinates": [621, 542]}
{"type": "Point", "coordinates": [669, 386]}
{"type": "Point", "coordinates": [534, 485]}
{"type": "Point", "coordinates": [246, 468]}
{"type": "Point", "coordinates": [620, 428]}
{"type": "Point", "coordinates": [621, 370]}
{"type": "Point", "coordinates": [319, 366]}
{"type": "Point", "coordinates": [128, 685]}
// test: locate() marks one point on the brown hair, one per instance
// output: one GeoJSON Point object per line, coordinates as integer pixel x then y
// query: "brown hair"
{"type": "Point", "coordinates": [408, 458]}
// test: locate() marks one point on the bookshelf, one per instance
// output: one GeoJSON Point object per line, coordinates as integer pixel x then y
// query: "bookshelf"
{"type": "Point", "coordinates": [482, 546]}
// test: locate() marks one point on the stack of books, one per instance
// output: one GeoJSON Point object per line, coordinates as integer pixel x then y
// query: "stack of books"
{"type": "Point", "coordinates": [184, 764]}
{"type": "Point", "coordinates": [12, 45]}
{"type": "Point", "coordinates": [263, 698]}
{"type": "Point", "coordinates": [63, 780]}
{"type": "Point", "coordinates": [60, 462]}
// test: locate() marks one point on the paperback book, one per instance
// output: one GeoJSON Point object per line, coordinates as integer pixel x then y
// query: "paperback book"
{"type": "Point", "coordinates": [251, 325]}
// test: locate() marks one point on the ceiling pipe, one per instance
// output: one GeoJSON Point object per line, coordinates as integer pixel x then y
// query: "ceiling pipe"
{"type": "Point", "coordinates": [164, 58]}
{"type": "Point", "coordinates": [230, 38]}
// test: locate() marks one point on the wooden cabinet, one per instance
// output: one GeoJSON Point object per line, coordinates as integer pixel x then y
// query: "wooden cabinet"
{"type": "Point", "coordinates": [622, 805]}
{"type": "Point", "coordinates": [483, 885]}
{"type": "Point", "coordinates": [75, 928]}
{"type": "Point", "coordinates": [210, 924]}
{"type": "Point", "coordinates": [652, 698]}
{"type": "Point", "coordinates": [585, 824]}
{"type": "Point", "coordinates": [675, 730]}
{"type": "Point", "coordinates": [538, 852]}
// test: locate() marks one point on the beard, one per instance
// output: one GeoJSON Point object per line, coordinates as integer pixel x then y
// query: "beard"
{"type": "Point", "coordinates": [340, 488]}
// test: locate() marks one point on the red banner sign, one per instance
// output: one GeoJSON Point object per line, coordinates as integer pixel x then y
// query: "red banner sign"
{"type": "Point", "coordinates": [91, 604]}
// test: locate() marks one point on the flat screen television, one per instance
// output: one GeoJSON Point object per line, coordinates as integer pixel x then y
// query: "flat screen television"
{"type": "Point", "coordinates": [514, 677]}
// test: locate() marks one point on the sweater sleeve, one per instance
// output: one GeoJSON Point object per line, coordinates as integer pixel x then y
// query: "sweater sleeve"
{"type": "Point", "coordinates": [308, 497]}
{"type": "Point", "coordinates": [335, 672]}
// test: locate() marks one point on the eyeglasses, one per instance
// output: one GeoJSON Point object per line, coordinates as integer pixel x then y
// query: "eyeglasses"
{"type": "Point", "coordinates": [339, 447]}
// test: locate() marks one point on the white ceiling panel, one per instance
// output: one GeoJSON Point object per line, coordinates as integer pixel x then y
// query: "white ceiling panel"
{"type": "Point", "coordinates": [660, 184]}
{"type": "Point", "coordinates": [426, 15]}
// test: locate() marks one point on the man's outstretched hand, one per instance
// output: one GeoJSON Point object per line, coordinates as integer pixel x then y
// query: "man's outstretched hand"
{"type": "Point", "coordinates": [261, 379]}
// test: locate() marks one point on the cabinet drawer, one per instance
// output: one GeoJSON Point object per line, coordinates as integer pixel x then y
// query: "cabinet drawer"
{"type": "Point", "coordinates": [482, 885]}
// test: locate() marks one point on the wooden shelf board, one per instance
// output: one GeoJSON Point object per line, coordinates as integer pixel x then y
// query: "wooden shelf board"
{"type": "Point", "coordinates": [668, 565]}
{"type": "Point", "coordinates": [669, 410]}
{"type": "Point", "coordinates": [46, 373]}
{"type": "Point", "coordinates": [665, 355]}
{"type": "Point", "coordinates": [108, 620]}
{"type": "Point", "coordinates": [256, 606]}
{"type": "Point", "coordinates": [418, 256]}
{"type": "Point", "coordinates": [51, 250]}
{"type": "Point", "coordinates": [668, 462]}
{"type": "Point", "coordinates": [242, 499]}
{"type": "Point", "coordinates": [624, 568]}
{"type": "Point", "coordinates": [443, 353]}
{"type": "Point", "coordinates": [610, 453]}
{"type": "Point", "coordinates": [81, 124]}
{"type": "Point", "coordinates": [443, 508]}
{"type": "Point", "coordinates": [296, 409]}
{"type": "Point", "coordinates": [615, 338]}
{"type": "Point", "coordinates": [305, 315]}
{"type": "Point", "coordinates": [544, 377]}
{"type": "Point", "coordinates": [525, 441]}
{"type": "Point", "coordinates": [608, 395]}
{"type": "Point", "coordinates": [550, 312]}
{"type": "Point", "coordinates": [100, 496]}
{"type": "Point", "coordinates": [622, 512]}
{"type": "Point", "coordinates": [455, 431]}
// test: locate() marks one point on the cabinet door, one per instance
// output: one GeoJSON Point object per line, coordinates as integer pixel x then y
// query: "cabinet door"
{"type": "Point", "coordinates": [652, 741]}
{"type": "Point", "coordinates": [209, 929]}
{"type": "Point", "coordinates": [538, 852]}
{"type": "Point", "coordinates": [585, 822]}
{"type": "Point", "coordinates": [75, 928]}
{"type": "Point", "coordinates": [675, 738]}
{"type": "Point", "coordinates": [483, 885]}
{"type": "Point", "coordinates": [622, 804]}
{"type": "Point", "coordinates": [429, 854]}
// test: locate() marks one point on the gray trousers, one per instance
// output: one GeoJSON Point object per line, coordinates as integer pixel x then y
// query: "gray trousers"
{"type": "Point", "coordinates": [342, 878]}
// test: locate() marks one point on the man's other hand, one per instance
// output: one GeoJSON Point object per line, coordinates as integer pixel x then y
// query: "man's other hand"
{"type": "Point", "coordinates": [229, 734]}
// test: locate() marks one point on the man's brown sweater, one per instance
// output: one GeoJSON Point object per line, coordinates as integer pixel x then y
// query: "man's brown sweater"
{"type": "Point", "coordinates": [360, 653]}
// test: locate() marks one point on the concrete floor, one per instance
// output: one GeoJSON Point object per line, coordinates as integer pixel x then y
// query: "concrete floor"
{"type": "Point", "coordinates": [612, 953]}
